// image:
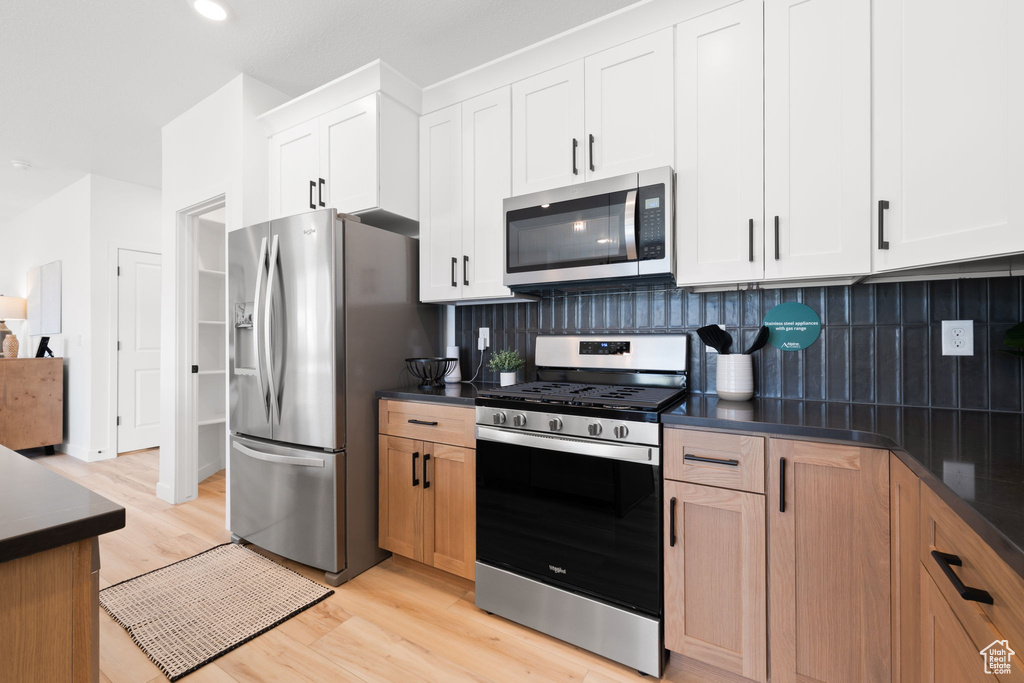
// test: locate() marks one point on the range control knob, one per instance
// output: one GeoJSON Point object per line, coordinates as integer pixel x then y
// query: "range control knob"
{"type": "Point", "coordinates": [621, 431]}
{"type": "Point", "coordinates": [555, 424]}
{"type": "Point", "coordinates": [594, 429]}
{"type": "Point", "coordinates": [499, 418]}
{"type": "Point", "coordinates": [519, 420]}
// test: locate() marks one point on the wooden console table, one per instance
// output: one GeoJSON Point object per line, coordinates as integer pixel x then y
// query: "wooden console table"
{"type": "Point", "coordinates": [31, 402]}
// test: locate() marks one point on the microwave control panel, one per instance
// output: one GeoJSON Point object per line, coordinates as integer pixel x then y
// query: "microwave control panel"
{"type": "Point", "coordinates": [651, 230]}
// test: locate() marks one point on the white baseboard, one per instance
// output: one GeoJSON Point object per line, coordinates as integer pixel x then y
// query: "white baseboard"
{"type": "Point", "coordinates": [209, 469]}
{"type": "Point", "coordinates": [83, 453]}
{"type": "Point", "coordinates": [164, 493]}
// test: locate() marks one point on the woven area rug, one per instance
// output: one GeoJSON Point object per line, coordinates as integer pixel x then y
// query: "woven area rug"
{"type": "Point", "coordinates": [188, 613]}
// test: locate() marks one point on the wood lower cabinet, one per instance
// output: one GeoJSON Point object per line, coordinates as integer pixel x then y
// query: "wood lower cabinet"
{"type": "Point", "coordinates": [427, 496]}
{"type": "Point", "coordinates": [828, 559]}
{"type": "Point", "coordinates": [905, 575]}
{"type": "Point", "coordinates": [947, 653]}
{"type": "Point", "coordinates": [715, 577]}
{"type": "Point", "coordinates": [31, 402]}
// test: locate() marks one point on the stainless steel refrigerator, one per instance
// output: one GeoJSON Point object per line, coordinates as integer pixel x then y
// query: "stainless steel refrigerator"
{"type": "Point", "coordinates": [325, 310]}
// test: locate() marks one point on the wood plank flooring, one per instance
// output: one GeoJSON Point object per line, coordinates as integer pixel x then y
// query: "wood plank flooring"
{"type": "Point", "coordinates": [400, 621]}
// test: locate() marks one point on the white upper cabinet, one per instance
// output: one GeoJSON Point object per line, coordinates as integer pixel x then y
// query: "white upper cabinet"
{"type": "Point", "coordinates": [719, 178]}
{"type": "Point", "coordinates": [441, 205]}
{"type": "Point", "coordinates": [948, 148]}
{"type": "Point", "coordinates": [602, 116]}
{"type": "Point", "coordinates": [547, 130]}
{"type": "Point", "coordinates": [294, 169]}
{"type": "Point", "coordinates": [817, 85]}
{"type": "Point", "coordinates": [349, 156]}
{"type": "Point", "coordinates": [357, 158]}
{"type": "Point", "coordinates": [628, 95]}
{"type": "Point", "coordinates": [486, 182]}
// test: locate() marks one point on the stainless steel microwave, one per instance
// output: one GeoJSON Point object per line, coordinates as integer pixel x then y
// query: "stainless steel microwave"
{"type": "Point", "coordinates": [610, 229]}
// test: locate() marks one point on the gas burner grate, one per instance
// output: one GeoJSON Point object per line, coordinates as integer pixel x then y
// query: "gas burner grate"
{"type": "Point", "coordinates": [591, 395]}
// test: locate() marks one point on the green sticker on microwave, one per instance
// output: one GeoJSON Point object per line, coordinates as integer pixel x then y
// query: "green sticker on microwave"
{"type": "Point", "coordinates": [793, 326]}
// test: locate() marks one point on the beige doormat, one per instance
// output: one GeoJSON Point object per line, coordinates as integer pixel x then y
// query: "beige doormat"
{"type": "Point", "coordinates": [185, 615]}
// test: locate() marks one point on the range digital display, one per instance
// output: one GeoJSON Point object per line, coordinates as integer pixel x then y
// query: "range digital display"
{"type": "Point", "coordinates": [614, 348]}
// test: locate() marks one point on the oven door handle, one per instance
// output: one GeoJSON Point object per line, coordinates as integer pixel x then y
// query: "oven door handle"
{"type": "Point", "coordinates": [612, 451]}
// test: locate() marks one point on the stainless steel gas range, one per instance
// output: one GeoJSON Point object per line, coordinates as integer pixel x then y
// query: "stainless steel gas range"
{"type": "Point", "coordinates": [569, 493]}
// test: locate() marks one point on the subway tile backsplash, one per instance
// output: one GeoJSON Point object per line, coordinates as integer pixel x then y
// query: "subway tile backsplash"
{"type": "Point", "coordinates": [879, 344]}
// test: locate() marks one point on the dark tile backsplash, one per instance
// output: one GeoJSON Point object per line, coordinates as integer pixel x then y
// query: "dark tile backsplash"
{"type": "Point", "coordinates": [879, 344]}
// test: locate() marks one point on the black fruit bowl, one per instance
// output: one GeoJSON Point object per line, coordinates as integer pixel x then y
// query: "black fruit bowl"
{"type": "Point", "coordinates": [430, 371]}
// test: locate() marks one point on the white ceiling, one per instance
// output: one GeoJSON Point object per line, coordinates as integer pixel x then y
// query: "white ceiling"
{"type": "Point", "coordinates": [85, 85]}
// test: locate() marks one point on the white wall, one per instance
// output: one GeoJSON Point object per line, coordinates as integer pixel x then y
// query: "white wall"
{"type": "Point", "coordinates": [76, 226]}
{"type": "Point", "coordinates": [216, 147]}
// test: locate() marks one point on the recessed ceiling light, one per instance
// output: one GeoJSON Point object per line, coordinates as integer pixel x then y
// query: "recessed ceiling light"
{"type": "Point", "coordinates": [211, 9]}
{"type": "Point", "coordinates": [21, 165]}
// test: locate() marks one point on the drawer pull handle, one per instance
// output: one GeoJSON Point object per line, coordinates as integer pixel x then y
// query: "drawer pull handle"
{"type": "Point", "coordinates": [944, 561]}
{"type": "Point", "coordinates": [713, 461]}
{"type": "Point", "coordinates": [672, 523]}
{"type": "Point", "coordinates": [422, 422]}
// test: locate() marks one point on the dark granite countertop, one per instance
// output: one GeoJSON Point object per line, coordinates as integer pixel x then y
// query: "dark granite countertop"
{"type": "Point", "coordinates": [974, 460]}
{"type": "Point", "coordinates": [462, 394]}
{"type": "Point", "coordinates": [40, 509]}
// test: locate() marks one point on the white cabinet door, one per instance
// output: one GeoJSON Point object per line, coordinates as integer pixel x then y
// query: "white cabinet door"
{"type": "Point", "coordinates": [348, 155]}
{"type": "Point", "coordinates": [294, 165]}
{"type": "Point", "coordinates": [948, 147]}
{"type": "Point", "coordinates": [817, 87]}
{"type": "Point", "coordinates": [486, 182]}
{"type": "Point", "coordinates": [719, 171]}
{"type": "Point", "coordinates": [441, 205]}
{"type": "Point", "coordinates": [548, 149]}
{"type": "Point", "coordinates": [629, 123]}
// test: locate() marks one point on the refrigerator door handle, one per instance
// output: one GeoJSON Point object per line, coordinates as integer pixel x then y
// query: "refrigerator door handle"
{"type": "Point", "coordinates": [275, 400]}
{"type": "Point", "coordinates": [261, 266]}
{"type": "Point", "coordinates": [279, 459]}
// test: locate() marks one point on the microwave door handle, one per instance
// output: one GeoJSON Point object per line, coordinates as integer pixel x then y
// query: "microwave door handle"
{"type": "Point", "coordinates": [630, 225]}
{"type": "Point", "coordinates": [268, 327]}
{"type": "Point", "coordinates": [261, 264]}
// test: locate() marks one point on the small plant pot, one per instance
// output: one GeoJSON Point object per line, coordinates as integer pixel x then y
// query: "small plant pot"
{"type": "Point", "coordinates": [735, 377]}
{"type": "Point", "coordinates": [508, 378]}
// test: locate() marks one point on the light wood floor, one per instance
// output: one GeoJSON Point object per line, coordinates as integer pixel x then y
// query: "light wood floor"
{"type": "Point", "coordinates": [397, 621]}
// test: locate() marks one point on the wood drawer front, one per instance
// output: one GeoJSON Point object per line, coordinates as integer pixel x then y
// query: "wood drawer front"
{"type": "Point", "coordinates": [943, 530]}
{"type": "Point", "coordinates": [690, 456]}
{"type": "Point", "coordinates": [429, 422]}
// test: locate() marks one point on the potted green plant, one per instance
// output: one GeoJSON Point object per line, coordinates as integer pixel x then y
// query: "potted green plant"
{"type": "Point", "coordinates": [507, 362]}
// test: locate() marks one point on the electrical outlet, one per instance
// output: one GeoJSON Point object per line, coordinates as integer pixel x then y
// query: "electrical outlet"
{"type": "Point", "coordinates": [957, 337]}
{"type": "Point", "coordinates": [484, 339]}
{"type": "Point", "coordinates": [707, 348]}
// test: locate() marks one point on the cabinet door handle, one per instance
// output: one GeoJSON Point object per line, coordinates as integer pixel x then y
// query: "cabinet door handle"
{"type": "Point", "coordinates": [320, 192]}
{"type": "Point", "coordinates": [422, 422]}
{"type": "Point", "coordinates": [782, 484]}
{"type": "Point", "coordinates": [883, 204]}
{"type": "Point", "coordinates": [426, 459]}
{"type": "Point", "coordinates": [575, 168]}
{"type": "Point", "coordinates": [776, 238]}
{"type": "Point", "coordinates": [750, 241]}
{"type": "Point", "coordinates": [944, 560]}
{"type": "Point", "coordinates": [312, 186]}
{"type": "Point", "coordinates": [465, 270]}
{"type": "Point", "coordinates": [713, 461]}
{"type": "Point", "coordinates": [592, 152]}
{"type": "Point", "coordinates": [672, 523]}
{"type": "Point", "coordinates": [455, 264]}
{"type": "Point", "coordinates": [415, 481]}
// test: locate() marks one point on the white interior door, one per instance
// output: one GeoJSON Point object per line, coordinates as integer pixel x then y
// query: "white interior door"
{"type": "Point", "coordinates": [138, 358]}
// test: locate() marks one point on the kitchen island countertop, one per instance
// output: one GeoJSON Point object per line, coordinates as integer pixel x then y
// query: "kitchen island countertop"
{"type": "Point", "coordinates": [40, 509]}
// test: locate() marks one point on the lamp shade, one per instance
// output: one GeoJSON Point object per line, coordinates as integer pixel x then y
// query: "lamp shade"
{"type": "Point", "coordinates": [12, 308]}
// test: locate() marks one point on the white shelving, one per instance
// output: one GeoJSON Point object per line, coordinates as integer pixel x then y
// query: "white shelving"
{"type": "Point", "coordinates": [210, 240]}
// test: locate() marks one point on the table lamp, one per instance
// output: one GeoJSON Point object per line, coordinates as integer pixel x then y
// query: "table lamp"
{"type": "Point", "coordinates": [11, 308]}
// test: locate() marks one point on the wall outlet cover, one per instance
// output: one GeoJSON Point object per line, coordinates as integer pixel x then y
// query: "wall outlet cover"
{"type": "Point", "coordinates": [957, 337]}
{"type": "Point", "coordinates": [484, 338]}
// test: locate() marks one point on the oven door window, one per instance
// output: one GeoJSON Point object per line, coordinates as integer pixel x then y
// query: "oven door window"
{"type": "Point", "coordinates": [587, 524]}
{"type": "Point", "coordinates": [580, 232]}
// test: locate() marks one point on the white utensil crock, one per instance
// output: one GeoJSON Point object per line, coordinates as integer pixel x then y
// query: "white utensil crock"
{"type": "Point", "coordinates": [455, 376]}
{"type": "Point", "coordinates": [508, 378]}
{"type": "Point", "coordinates": [735, 377]}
